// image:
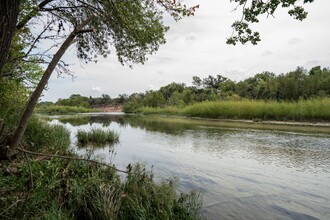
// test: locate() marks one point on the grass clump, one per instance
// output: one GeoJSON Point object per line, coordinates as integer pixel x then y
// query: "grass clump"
{"type": "Point", "coordinates": [60, 110]}
{"type": "Point", "coordinates": [97, 137]}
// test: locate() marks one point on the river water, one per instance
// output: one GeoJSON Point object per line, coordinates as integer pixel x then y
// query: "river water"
{"type": "Point", "coordinates": [243, 170]}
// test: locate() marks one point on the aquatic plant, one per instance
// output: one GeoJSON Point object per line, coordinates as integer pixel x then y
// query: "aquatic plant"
{"type": "Point", "coordinates": [97, 136]}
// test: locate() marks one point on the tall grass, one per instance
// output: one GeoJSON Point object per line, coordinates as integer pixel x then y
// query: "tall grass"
{"type": "Point", "coordinates": [303, 110]}
{"type": "Point", "coordinates": [169, 110]}
{"type": "Point", "coordinates": [97, 136]}
{"type": "Point", "coordinates": [58, 109]}
{"type": "Point", "coordinates": [40, 135]}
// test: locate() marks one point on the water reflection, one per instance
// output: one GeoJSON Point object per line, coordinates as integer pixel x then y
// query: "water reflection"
{"type": "Point", "coordinates": [243, 172]}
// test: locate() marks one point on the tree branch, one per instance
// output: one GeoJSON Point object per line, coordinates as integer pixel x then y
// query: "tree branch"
{"type": "Point", "coordinates": [71, 158]}
{"type": "Point", "coordinates": [37, 39]}
{"type": "Point", "coordinates": [85, 31]}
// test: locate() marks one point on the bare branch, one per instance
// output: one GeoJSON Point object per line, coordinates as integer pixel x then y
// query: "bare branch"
{"type": "Point", "coordinates": [37, 39]}
{"type": "Point", "coordinates": [72, 158]}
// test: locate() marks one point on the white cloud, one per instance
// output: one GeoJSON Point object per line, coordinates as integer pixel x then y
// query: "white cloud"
{"type": "Point", "coordinates": [97, 89]}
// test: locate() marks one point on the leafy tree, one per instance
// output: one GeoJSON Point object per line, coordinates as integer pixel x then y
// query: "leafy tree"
{"type": "Point", "coordinates": [212, 82]}
{"type": "Point", "coordinates": [134, 28]}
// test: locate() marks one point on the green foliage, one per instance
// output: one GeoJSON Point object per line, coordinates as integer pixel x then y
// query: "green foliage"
{"type": "Point", "coordinates": [74, 100]}
{"type": "Point", "coordinates": [97, 137]}
{"type": "Point", "coordinates": [144, 199]}
{"type": "Point", "coordinates": [252, 10]}
{"type": "Point", "coordinates": [315, 109]}
{"type": "Point", "coordinates": [303, 110]}
{"type": "Point", "coordinates": [13, 97]}
{"type": "Point", "coordinates": [292, 86]}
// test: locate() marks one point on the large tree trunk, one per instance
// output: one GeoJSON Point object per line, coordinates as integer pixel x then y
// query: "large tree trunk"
{"type": "Point", "coordinates": [9, 10]}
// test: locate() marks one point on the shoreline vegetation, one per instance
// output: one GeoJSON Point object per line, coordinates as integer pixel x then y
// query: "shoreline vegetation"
{"type": "Point", "coordinates": [47, 187]}
{"type": "Point", "coordinates": [313, 110]}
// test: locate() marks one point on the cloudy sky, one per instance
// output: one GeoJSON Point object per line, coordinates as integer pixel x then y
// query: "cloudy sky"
{"type": "Point", "coordinates": [196, 47]}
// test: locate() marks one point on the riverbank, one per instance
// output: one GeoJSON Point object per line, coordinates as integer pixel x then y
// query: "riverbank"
{"type": "Point", "coordinates": [51, 182]}
{"type": "Point", "coordinates": [314, 110]}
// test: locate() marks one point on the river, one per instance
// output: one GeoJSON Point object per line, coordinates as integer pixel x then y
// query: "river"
{"type": "Point", "coordinates": [243, 170]}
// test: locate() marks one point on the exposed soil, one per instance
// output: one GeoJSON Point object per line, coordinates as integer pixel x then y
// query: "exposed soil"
{"type": "Point", "coordinates": [110, 108]}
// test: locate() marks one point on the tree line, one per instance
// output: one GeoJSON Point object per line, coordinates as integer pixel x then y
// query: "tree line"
{"type": "Point", "coordinates": [290, 86]}
{"type": "Point", "coordinates": [87, 102]}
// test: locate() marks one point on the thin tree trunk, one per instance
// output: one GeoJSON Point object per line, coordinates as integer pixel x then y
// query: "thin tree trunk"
{"type": "Point", "coordinates": [9, 10]}
{"type": "Point", "coordinates": [19, 132]}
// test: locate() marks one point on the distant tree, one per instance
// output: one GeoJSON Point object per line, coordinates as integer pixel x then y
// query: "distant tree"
{"type": "Point", "coordinates": [169, 89]}
{"type": "Point", "coordinates": [197, 81]}
{"type": "Point", "coordinates": [212, 82]}
{"type": "Point", "coordinates": [106, 99]}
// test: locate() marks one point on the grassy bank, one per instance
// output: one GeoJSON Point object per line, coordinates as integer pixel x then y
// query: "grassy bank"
{"type": "Point", "coordinates": [75, 189]}
{"type": "Point", "coordinates": [303, 110]}
{"type": "Point", "coordinates": [60, 110]}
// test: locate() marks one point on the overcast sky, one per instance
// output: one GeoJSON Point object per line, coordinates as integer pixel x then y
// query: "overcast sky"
{"type": "Point", "coordinates": [196, 46]}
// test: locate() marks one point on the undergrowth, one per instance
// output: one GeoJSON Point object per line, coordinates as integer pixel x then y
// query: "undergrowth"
{"type": "Point", "coordinates": [75, 189]}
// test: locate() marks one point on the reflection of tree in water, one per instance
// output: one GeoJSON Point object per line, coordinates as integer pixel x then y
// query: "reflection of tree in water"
{"type": "Point", "coordinates": [75, 120]}
{"type": "Point", "coordinates": [153, 124]}
{"type": "Point", "coordinates": [104, 120]}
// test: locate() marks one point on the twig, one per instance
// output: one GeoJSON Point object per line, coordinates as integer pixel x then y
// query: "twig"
{"type": "Point", "coordinates": [72, 158]}
{"type": "Point", "coordinates": [4, 211]}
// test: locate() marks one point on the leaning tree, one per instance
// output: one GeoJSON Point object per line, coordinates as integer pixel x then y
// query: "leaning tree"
{"type": "Point", "coordinates": [133, 29]}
